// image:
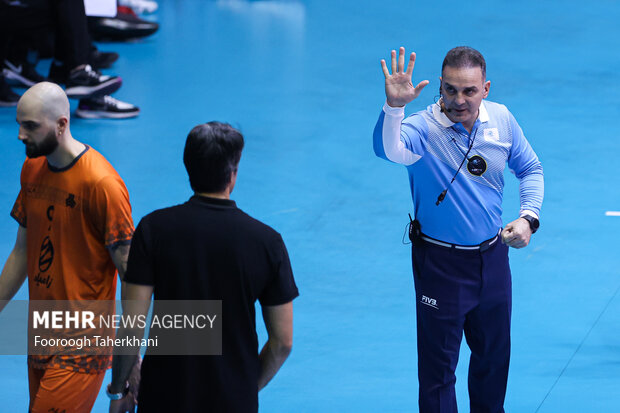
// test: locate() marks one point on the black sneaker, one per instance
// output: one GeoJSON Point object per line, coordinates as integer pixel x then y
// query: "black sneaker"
{"type": "Point", "coordinates": [8, 98]}
{"type": "Point", "coordinates": [23, 74]}
{"type": "Point", "coordinates": [126, 25]}
{"type": "Point", "coordinates": [106, 107]}
{"type": "Point", "coordinates": [86, 82]}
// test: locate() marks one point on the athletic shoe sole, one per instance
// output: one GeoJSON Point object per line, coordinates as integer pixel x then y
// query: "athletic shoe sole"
{"type": "Point", "coordinates": [118, 29]}
{"type": "Point", "coordinates": [100, 114]}
{"type": "Point", "coordinates": [17, 78]}
{"type": "Point", "coordinates": [106, 88]}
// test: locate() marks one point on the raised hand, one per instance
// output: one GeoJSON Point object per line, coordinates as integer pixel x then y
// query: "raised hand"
{"type": "Point", "coordinates": [398, 87]}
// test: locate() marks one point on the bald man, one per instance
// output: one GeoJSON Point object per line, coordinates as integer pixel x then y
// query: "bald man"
{"type": "Point", "coordinates": [73, 209]}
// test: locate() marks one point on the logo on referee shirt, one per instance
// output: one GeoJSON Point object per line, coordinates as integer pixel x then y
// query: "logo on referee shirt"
{"type": "Point", "coordinates": [491, 135]}
{"type": "Point", "coordinates": [431, 302]}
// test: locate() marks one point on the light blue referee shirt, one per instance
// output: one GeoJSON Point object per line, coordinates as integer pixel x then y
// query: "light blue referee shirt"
{"type": "Point", "coordinates": [432, 147]}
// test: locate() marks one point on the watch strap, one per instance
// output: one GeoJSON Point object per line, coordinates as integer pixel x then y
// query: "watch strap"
{"type": "Point", "coordinates": [534, 223]}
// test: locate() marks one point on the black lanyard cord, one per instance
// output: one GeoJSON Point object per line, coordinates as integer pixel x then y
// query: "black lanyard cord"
{"type": "Point", "coordinates": [442, 196]}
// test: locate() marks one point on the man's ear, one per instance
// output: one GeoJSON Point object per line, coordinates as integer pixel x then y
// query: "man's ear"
{"type": "Point", "coordinates": [487, 87]}
{"type": "Point", "coordinates": [61, 125]}
{"type": "Point", "coordinates": [233, 180]}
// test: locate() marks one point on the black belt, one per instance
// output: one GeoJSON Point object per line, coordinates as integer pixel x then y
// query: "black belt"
{"type": "Point", "coordinates": [416, 236]}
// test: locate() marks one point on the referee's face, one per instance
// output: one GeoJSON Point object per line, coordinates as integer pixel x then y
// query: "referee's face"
{"type": "Point", "coordinates": [462, 91]}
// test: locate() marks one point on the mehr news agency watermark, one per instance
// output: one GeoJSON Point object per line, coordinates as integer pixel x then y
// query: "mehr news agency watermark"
{"type": "Point", "coordinates": [56, 319]}
{"type": "Point", "coordinates": [86, 328]}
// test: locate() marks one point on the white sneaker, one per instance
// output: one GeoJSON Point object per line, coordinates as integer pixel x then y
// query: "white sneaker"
{"type": "Point", "coordinates": [140, 6]}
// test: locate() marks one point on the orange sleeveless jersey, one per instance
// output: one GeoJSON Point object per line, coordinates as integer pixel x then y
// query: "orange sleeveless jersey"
{"type": "Point", "coordinates": [72, 217]}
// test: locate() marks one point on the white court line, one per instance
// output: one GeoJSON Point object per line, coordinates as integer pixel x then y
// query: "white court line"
{"type": "Point", "coordinates": [612, 213]}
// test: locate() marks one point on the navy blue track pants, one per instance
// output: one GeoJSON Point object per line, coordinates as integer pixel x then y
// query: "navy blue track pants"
{"type": "Point", "coordinates": [462, 291]}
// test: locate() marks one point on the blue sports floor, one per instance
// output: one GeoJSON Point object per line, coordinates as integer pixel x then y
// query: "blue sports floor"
{"type": "Point", "coordinates": [303, 82]}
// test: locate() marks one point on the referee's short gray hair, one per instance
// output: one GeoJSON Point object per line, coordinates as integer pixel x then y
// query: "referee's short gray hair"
{"type": "Point", "coordinates": [465, 56]}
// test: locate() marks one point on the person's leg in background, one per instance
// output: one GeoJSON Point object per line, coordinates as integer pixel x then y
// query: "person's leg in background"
{"type": "Point", "coordinates": [72, 39]}
{"type": "Point", "coordinates": [71, 66]}
{"type": "Point", "coordinates": [27, 22]}
{"type": "Point", "coordinates": [8, 98]}
{"type": "Point", "coordinates": [72, 53]}
{"type": "Point", "coordinates": [19, 65]}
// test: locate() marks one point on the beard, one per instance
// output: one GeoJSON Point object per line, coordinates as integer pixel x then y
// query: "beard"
{"type": "Point", "coordinates": [44, 148]}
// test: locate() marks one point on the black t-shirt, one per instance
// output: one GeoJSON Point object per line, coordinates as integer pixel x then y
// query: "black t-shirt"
{"type": "Point", "coordinates": [208, 249]}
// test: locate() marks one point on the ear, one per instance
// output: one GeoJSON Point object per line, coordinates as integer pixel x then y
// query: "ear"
{"type": "Point", "coordinates": [233, 180]}
{"type": "Point", "coordinates": [61, 124]}
{"type": "Point", "coordinates": [487, 87]}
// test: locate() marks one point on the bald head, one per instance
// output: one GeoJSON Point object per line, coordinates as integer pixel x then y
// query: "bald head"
{"type": "Point", "coordinates": [43, 118]}
{"type": "Point", "coordinates": [44, 100]}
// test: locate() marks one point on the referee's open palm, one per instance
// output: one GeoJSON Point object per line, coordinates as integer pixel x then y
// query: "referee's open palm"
{"type": "Point", "coordinates": [398, 87]}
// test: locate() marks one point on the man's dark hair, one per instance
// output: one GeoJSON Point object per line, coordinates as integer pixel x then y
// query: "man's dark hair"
{"type": "Point", "coordinates": [212, 153]}
{"type": "Point", "coordinates": [464, 56]}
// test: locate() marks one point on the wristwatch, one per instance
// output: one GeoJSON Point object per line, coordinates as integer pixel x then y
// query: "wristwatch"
{"type": "Point", "coordinates": [534, 223]}
{"type": "Point", "coordinates": [117, 396]}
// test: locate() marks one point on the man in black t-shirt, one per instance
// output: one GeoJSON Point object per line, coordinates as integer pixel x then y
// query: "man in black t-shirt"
{"type": "Point", "coordinates": [208, 249]}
